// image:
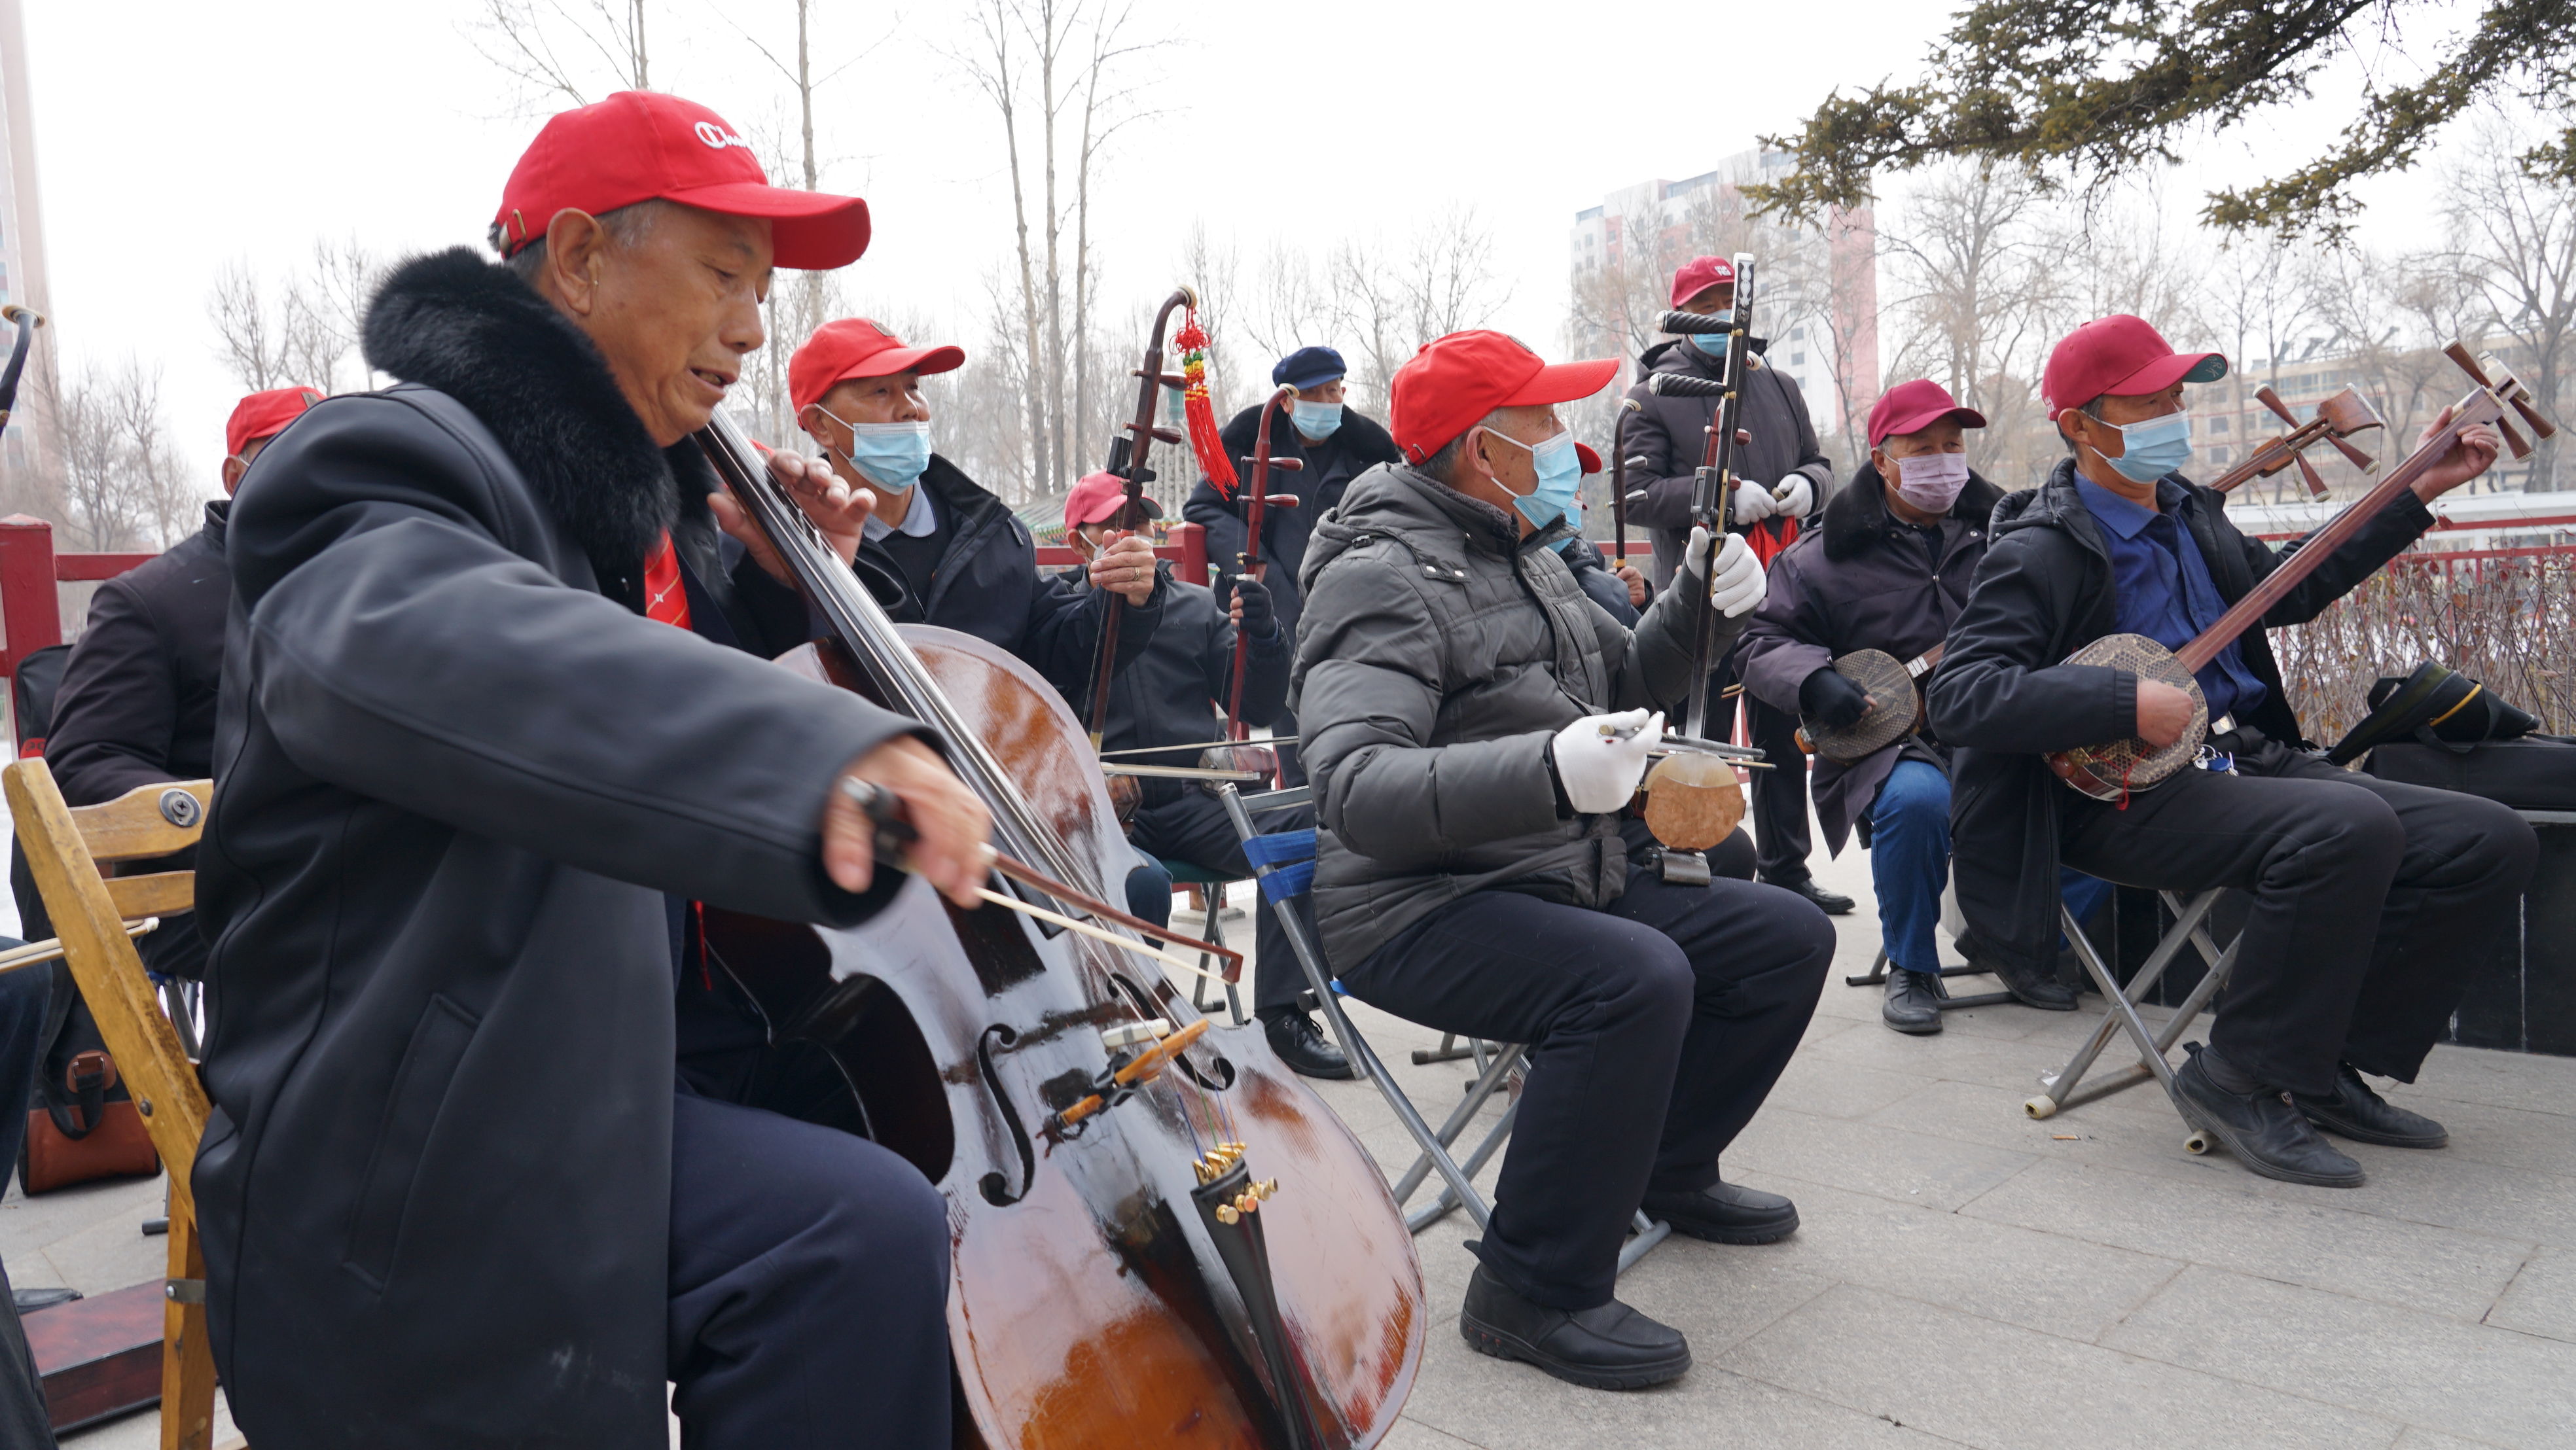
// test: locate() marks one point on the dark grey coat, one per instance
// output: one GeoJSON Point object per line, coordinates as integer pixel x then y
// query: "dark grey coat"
{"type": "Point", "coordinates": [2004, 696]}
{"type": "Point", "coordinates": [1671, 434]}
{"type": "Point", "coordinates": [1439, 653]}
{"type": "Point", "coordinates": [453, 782]}
{"type": "Point", "coordinates": [1863, 581]}
{"type": "Point", "coordinates": [1360, 444]}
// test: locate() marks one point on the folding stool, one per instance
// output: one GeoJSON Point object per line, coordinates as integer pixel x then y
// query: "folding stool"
{"type": "Point", "coordinates": [1284, 865]}
{"type": "Point", "coordinates": [1876, 976]}
{"type": "Point", "coordinates": [1212, 884]}
{"type": "Point", "coordinates": [2059, 1089]}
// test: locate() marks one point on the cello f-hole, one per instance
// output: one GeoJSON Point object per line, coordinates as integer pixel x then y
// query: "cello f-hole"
{"type": "Point", "coordinates": [995, 1188]}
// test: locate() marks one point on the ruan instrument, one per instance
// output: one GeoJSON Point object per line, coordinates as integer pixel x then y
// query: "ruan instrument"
{"type": "Point", "coordinates": [1248, 564]}
{"type": "Point", "coordinates": [2338, 418]}
{"type": "Point", "coordinates": [1693, 799]}
{"type": "Point", "coordinates": [1161, 1237]}
{"type": "Point", "coordinates": [2114, 771]}
{"type": "Point", "coordinates": [1895, 704]}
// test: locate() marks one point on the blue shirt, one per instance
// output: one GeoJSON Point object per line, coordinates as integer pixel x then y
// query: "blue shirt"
{"type": "Point", "coordinates": [2165, 590]}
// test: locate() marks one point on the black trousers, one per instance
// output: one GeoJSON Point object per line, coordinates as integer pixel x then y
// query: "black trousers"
{"type": "Point", "coordinates": [2373, 902]}
{"type": "Point", "coordinates": [809, 1286]}
{"type": "Point", "coordinates": [1779, 805]}
{"type": "Point", "coordinates": [1194, 829]}
{"type": "Point", "coordinates": [1655, 1029]}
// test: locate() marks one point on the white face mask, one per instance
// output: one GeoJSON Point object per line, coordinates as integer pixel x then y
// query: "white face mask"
{"type": "Point", "coordinates": [1932, 481]}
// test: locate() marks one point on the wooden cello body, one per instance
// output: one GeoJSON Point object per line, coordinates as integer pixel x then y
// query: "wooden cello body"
{"type": "Point", "coordinates": [1102, 1293]}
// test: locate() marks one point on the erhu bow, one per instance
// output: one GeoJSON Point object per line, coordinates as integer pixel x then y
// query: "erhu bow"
{"type": "Point", "coordinates": [1248, 564]}
{"type": "Point", "coordinates": [2338, 418]}
{"type": "Point", "coordinates": [1619, 481]}
{"type": "Point", "coordinates": [2111, 772]}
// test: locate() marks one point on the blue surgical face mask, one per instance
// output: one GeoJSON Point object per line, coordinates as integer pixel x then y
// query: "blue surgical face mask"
{"type": "Point", "coordinates": [892, 455]}
{"type": "Point", "coordinates": [1315, 420]}
{"type": "Point", "coordinates": [1714, 343]}
{"type": "Point", "coordinates": [1560, 473]}
{"type": "Point", "coordinates": [2154, 448]}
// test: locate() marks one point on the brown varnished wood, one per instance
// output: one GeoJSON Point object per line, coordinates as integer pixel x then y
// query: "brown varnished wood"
{"type": "Point", "coordinates": [1092, 1312]}
{"type": "Point", "coordinates": [133, 826]}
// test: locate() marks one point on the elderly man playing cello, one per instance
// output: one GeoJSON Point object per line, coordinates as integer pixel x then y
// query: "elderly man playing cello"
{"type": "Point", "coordinates": [452, 1193]}
{"type": "Point", "coordinates": [1476, 727]}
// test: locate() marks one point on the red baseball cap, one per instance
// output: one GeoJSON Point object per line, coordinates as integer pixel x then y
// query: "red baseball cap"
{"type": "Point", "coordinates": [1915, 406]}
{"type": "Point", "coordinates": [2123, 356]}
{"type": "Point", "coordinates": [1698, 275]}
{"type": "Point", "coordinates": [855, 347]}
{"type": "Point", "coordinates": [265, 415]}
{"type": "Point", "coordinates": [1098, 497]}
{"type": "Point", "coordinates": [643, 146]}
{"type": "Point", "coordinates": [1445, 387]}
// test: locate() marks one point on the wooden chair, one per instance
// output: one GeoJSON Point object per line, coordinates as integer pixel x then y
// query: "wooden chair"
{"type": "Point", "coordinates": [94, 916]}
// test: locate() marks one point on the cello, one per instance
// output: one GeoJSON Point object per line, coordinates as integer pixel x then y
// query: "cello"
{"type": "Point", "coordinates": [1161, 1236]}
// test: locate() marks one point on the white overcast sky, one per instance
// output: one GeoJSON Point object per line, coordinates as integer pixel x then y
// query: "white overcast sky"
{"type": "Point", "coordinates": [176, 137]}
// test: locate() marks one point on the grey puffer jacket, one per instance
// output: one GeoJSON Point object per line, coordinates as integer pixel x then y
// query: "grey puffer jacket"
{"type": "Point", "coordinates": [1438, 653]}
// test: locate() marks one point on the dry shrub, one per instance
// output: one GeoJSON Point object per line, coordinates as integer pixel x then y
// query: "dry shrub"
{"type": "Point", "coordinates": [2506, 617]}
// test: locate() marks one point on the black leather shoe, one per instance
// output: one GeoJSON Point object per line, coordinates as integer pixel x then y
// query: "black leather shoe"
{"type": "Point", "coordinates": [2364, 1116]}
{"type": "Point", "coordinates": [1913, 1002]}
{"type": "Point", "coordinates": [1726, 1213]}
{"type": "Point", "coordinates": [1825, 901]}
{"type": "Point", "coordinates": [2263, 1128]}
{"type": "Point", "coordinates": [28, 1301]}
{"type": "Point", "coordinates": [1303, 1046]}
{"type": "Point", "coordinates": [1611, 1347]}
{"type": "Point", "coordinates": [2038, 987]}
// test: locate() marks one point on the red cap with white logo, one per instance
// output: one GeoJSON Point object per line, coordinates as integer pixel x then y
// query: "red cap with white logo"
{"type": "Point", "coordinates": [643, 146]}
{"type": "Point", "coordinates": [1698, 275]}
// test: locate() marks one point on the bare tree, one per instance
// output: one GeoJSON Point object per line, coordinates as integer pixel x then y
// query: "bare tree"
{"type": "Point", "coordinates": [305, 332]}
{"type": "Point", "coordinates": [2513, 237]}
{"type": "Point", "coordinates": [1390, 296]}
{"type": "Point", "coordinates": [578, 50]}
{"type": "Point", "coordinates": [123, 483]}
{"type": "Point", "coordinates": [1054, 72]}
{"type": "Point", "coordinates": [1979, 295]}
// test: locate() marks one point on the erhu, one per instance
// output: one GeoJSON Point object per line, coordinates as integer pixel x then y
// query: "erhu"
{"type": "Point", "coordinates": [1257, 501]}
{"type": "Point", "coordinates": [1128, 458]}
{"type": "Point", "coordinates": [2111, 772]}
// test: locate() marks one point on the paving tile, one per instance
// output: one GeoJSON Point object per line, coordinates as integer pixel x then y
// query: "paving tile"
{"type": "Point", "coordinates": [2442, 1189]}
{"type": "Point", "coordinates": [1410, 1434]}
{"type": "Point", "coordinates": [1957, 1057]}
{"type": "Point", "coordinates": [2419, 1266]}
{"type": "Point", "coordinates": [111, 1254]}
{"type": "Point", "coordinates": [1511, 1406]}
{"type": "Point", "coordinates": [2419, 1438]}
{"type": "Point", "coordinates": [142, 1431]}
{"type": "Point", "coordinates": [2513, 1137]}
{"type": "Point", "coordinates": [2043, 1281]}
{"type": "Point", "coordinates": [2531, 1081]}
{"type": "Point", "coordinates": [28, 1224]}
{"type": "Point", "coordinates": [1983, 1383]}
{"type": "Point", "coordinates": [2543, 1297]}
{"type": "Point", "coordinates": [2422, 1369]}
{"type": "Point", "coordinates": [1833, 1089]}
{"type": "Point", "coordinates": [1906, 1167]}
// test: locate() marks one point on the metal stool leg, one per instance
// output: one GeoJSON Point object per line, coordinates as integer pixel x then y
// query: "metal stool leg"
{"type": "Point", "coordinates": [2060, 1088]}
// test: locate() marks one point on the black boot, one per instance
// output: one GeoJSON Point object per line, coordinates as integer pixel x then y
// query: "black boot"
{"type": "Point", "coordinates": [1301, 1044]}
{"type": "Point", "coordinates": [1726, 1213]}
{"type": "Point", "coordinates": [28, 1301]}
{"type": "Point", "coordinates": [1610, 1347]}
{"type": "Point", "coordinates": [1913, 1001]}
{"type": "Point", "coordinates": [1824, 901]}
{"type": "Point", "coordinates": [2364, 1116]}
{"type": "Point", "coordinates": [2263, 1128]}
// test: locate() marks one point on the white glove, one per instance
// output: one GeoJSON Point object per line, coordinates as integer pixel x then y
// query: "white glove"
{"type": "Point", "coordinates": [1801, 499]}
{"type": "Point", "coordinates": [1753, 502]}
{"type": "Point", "coordinates": [1739, 584]}
{"type": "Point", "coordinates": [1600, 758]}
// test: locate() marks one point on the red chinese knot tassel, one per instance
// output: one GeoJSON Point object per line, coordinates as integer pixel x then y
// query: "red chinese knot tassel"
{"type": "Point", "coordinates": [1200, 408]}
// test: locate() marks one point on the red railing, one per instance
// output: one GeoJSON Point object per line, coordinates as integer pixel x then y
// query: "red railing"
{"type": "Point", "coordinates": [31, 610]}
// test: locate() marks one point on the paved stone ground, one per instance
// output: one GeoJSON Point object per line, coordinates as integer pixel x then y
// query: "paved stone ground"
{"type": "Point", "coordinates": [1968, 1276]}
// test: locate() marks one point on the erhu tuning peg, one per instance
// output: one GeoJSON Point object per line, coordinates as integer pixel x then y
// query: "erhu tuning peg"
{"type": "Point", "coordinates": [2308, 473]}
{"type": "Point", "coordinates": [1170, 380]}
{"type": "Point", "coordinates": [1281, 500]}
{"type": "Point", "coordinates": [2272, 400]}
{"type": "Point", "coordinates": [1167, 435]}
{"type": "Point", "coordinates": [2355, 456]}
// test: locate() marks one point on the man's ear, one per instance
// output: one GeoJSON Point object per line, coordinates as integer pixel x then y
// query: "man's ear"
{"type": "Point", "coordinates": [810, 419]}
{"type": "Point", "coordinates": [234, 468]}
{"type": "Point", "coordinates": [576, 250]}
{"type": "Point", "coordinates": [2070, 425]}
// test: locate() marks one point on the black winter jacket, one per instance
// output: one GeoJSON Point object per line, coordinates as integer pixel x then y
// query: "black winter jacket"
{"type": "Point", "coordinates": [1863, 581]}
{"type": "Point", "coordinates": [1359, 445]}
{"type": "Point", "coordinates": [1175, 692]}
{"type": "Point", "coordinates": [1670, 434]}
{"type": "Point", "coordinates": [987, 584]}
{"type": "Point", "coordinates": [1440, 654]}
{"type": "Point", "coordinates": [137, 703]}
{"type": "Point", "coordinates": [2003, 696]}
{"type": "Point", "coordinates": [453, 783]}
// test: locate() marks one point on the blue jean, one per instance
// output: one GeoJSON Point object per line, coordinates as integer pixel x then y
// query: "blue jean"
{"type": "Point", "coordinates": [1909, 863]}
